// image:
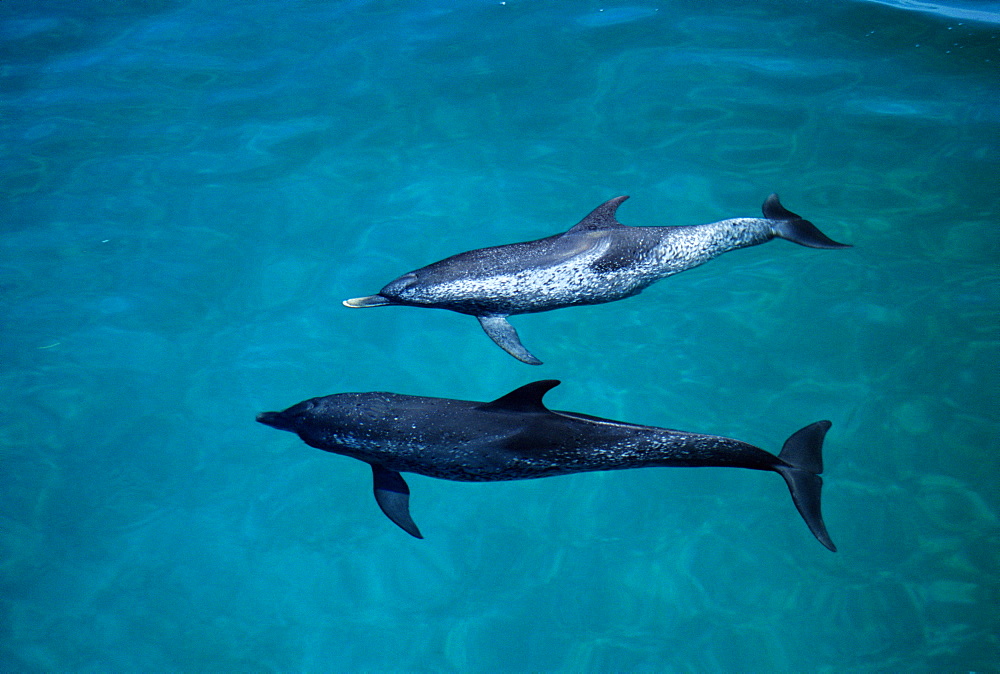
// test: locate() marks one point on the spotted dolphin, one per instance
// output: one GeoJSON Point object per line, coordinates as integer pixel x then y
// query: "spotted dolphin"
{"type": "Point", "coordinates": [516, 437]}
{"type": "Point", "coordinates": [598, 260]}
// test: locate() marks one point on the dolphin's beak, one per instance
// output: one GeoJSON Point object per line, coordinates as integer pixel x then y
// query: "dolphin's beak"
{"type": "Point", "coordinates": [365, 302]}
{"type": "Point", "coordinates": [273, 419]}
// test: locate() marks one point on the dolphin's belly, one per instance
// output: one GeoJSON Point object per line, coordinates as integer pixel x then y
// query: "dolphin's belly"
{"type": "Point", "coordinates": [554, 445]}
{"type": "Point", "coordinates": [479, 471]}
{"type": "Point", "coordinates": [538, 289]}
{"type": "Point", "coordinates": [536, 276]}
{"type": "Point", "coordinates": [491, 464]}
{"type": "Point", "coordinates": [481, 460]}
{"type": "Point", "coordinates": [473, 445]}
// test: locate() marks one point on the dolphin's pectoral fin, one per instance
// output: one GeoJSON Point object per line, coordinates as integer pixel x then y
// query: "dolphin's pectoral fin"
{"type": "Point", "coordinates": [505, 336]}
{"type": "Point", "coordinates": [393, 497]}
{"type": "Point", "coordinates": [365, 302]}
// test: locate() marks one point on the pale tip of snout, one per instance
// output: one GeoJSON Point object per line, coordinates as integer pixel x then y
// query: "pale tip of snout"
{"type": "Point", "coordinates": [268, 418]}
{"type": "Point", "coordinates": [364, 302]}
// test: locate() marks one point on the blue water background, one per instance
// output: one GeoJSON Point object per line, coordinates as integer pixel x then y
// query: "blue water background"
{"type": "Point", "coordinates": [189, 190]}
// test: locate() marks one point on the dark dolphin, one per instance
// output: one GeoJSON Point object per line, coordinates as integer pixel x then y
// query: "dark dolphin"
{"type": "Point", "coordinates": [598, 260]}
{"type": "Point", "coordinates": [516, 437]}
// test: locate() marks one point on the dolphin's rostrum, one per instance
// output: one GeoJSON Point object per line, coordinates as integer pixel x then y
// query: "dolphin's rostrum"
{"type": "Point", "coordinates": [598, 260]}
{"type": "Point", "coordinates": [517, 437]}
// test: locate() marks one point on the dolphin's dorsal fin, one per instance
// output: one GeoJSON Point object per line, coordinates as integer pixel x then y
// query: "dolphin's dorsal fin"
{"type": "Point", "coordinates": [528, 398]}
{"type": "Point", "coordinates": [602, 217]}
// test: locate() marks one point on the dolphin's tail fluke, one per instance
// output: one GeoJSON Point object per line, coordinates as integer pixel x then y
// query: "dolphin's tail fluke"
{"type": "Point", "coordinates": [802, 463]}
{"type": "Point", "coordinates": [788, 225]}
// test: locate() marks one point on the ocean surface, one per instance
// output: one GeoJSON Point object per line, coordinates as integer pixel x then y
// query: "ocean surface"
{"type": "Point", "coordinates": [190, 188]}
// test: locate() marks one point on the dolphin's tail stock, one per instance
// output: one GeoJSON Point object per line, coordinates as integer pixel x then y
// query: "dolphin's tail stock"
{"type": "Point", "coordinates": [788, 225]}
{"type": "Point", "coordinates": [802, 462]}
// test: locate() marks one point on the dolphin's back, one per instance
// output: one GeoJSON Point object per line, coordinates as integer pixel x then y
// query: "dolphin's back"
{"type": "Point", "coordinates": [510, 258]}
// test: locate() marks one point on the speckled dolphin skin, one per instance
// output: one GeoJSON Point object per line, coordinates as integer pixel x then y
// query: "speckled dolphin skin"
{"type": "Point", "coordinates": [598, 260]}
{"type": "Point", "coordinates": [516, 437]}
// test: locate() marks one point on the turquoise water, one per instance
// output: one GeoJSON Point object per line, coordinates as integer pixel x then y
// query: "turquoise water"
{"type": "Point", "coordinates": [190, 188]}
